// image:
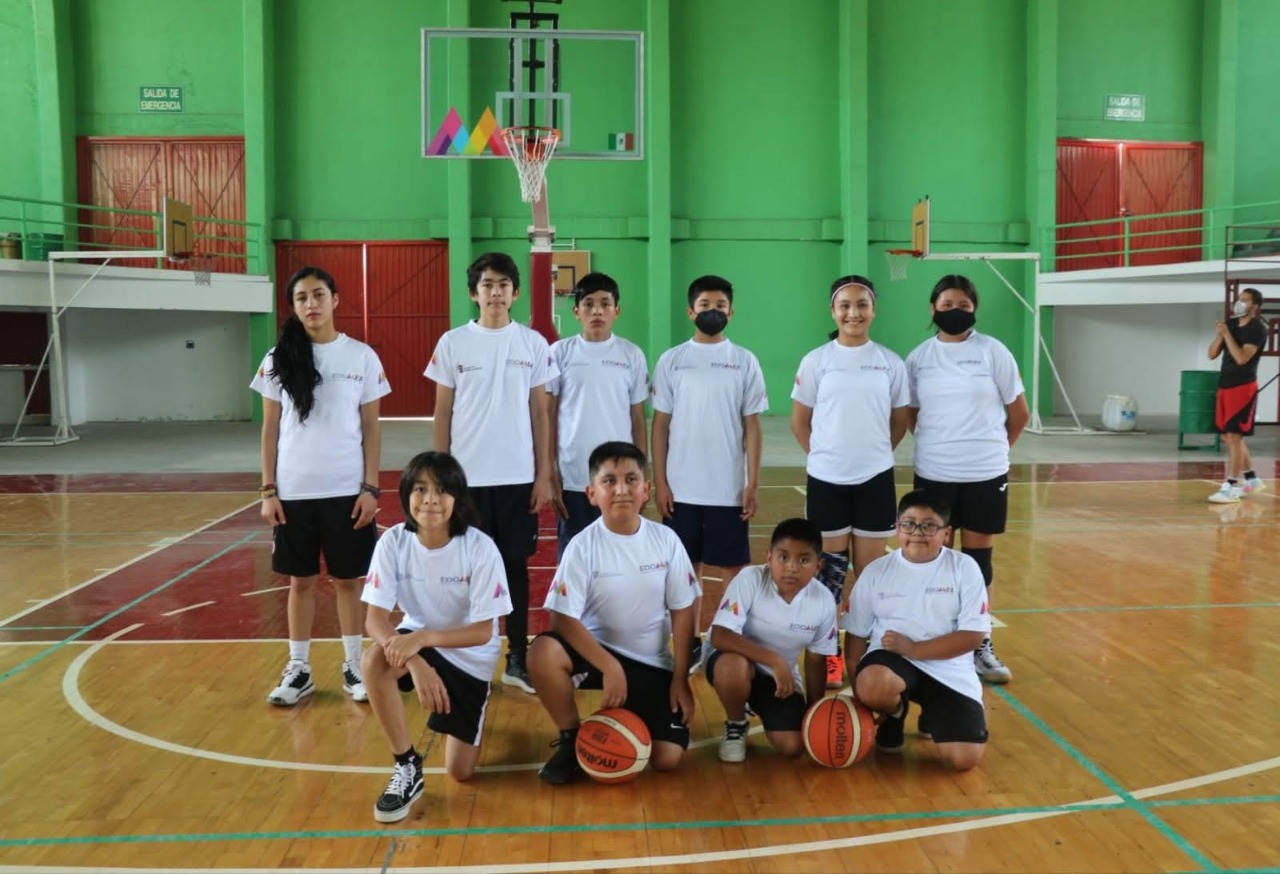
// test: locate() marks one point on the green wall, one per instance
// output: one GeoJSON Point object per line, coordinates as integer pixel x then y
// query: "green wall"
{"type": "Point", "coordinates": [785, 144]}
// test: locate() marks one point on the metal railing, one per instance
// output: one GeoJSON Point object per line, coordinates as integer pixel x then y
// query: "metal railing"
{"type": "Point", "coordinates": [35, 227]}
{"type": "Point", "coordinates": [1203, 232]}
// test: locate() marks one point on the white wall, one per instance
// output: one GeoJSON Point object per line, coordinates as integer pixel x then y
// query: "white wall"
{"type": "Point", "coordinates": [134, 365]}
{"type": "Point", "coordinates": [1139, 351]}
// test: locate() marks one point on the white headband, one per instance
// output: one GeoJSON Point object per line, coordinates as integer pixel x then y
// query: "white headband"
{"type": "Point", "coordinates": [871, 291]}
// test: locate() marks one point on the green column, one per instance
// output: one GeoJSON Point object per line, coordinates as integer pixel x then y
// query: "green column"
{"type": "Point", "coordinates": [853, 133]}
{"type": "Point", "coordinates": [259, 166]}
{"type": "Point", "coordinates": [458, 176]}
{"type": "Point", "coordinates": [1042, 170]}
{"type": "Point", "coordinates": [1218, 114]}
{"type": "Point", "coordinates": [55, 94]}
{"type": "Point", "coordinates": [657, 153]}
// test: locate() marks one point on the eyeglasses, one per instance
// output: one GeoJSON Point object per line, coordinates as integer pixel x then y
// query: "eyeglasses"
{"type": "Point", "coordinates": [928, 529]}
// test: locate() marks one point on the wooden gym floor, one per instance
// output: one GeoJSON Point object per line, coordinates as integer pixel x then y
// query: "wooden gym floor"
{"type": "Point", "coordinates": [141, 627]}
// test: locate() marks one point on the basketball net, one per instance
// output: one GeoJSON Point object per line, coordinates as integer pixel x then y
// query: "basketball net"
{"type": "Point", "coordinates": [199, 264]}
{"type": "Point", "coordinates": [531, 148]}
{"type": "Point", "coordinates": [899, 260]}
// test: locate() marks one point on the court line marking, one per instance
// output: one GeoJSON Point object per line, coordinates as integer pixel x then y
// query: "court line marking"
{"type": "Point", "coordinates": [188, 607]}
{"type": "Point", "coordinates": [264, 591]}
{"type": "Point", "coordinates": [71, 691]}
{"type": "Point", "coordinates": [132, 561]}
{"type": "Point", "coordinates": [41, 656]}
{"type": "Point", "coordinates": [1133, 803]}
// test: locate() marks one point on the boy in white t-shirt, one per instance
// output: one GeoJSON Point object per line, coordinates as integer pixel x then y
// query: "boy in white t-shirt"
{"type": "Point", "coordinates": [915, 617]}
{"type": "Point", "coordinates": [769, 615]}
{"type": "Point", "coordinates": [708, 395]}
{"type": "Point", "coordinates": [599, 396]}
{"type": "Point", "coordinates": [491, 414]}
{"type": "Point", "coordinates": [446, 576]}
{"type": "Point", "coordinates": [623, 593]}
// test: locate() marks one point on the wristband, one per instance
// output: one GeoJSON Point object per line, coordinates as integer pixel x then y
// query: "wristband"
{"type": "Point", "coordinates": [268, 490]}
{"type": "Point", "coordinates": [371, 490]}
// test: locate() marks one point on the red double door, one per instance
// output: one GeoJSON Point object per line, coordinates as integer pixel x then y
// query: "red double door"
{"type": "Point", "coordinates": [1103, 181]}
{"type": "Point", "coordinates": [393, 296]}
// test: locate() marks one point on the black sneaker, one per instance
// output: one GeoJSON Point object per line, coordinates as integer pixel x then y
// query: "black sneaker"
{"type": "Point", "coordinates": [404, 789]}
{"type": "Point", "coordinates": [563, 765]}
{"type": "Point", "coordinates": [516, 674]}
{"type": "Point", "coordinates": [890, 735]}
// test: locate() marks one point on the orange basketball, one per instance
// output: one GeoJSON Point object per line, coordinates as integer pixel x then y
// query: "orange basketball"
{"type": "Point", "coordinates": [838, 731]}
{"type": "Point", "coordinates": [613, 745]}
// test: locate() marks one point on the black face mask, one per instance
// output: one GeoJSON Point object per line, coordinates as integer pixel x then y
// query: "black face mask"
{"type": "Point", "coordinates": [954, 322]}
{"type": "Point", "coordinates": [711, 322]}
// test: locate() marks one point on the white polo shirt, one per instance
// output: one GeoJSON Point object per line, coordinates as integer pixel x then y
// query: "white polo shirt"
{"type": "Point", "coordinates": [753, 607]}
{"type": "Point", "coordinates": [923, 601]}
{"type": "Point", "coordinates": [491, 372]}
{"type": "Point", "coordinates": [597, 385]}
{"type": "Point", "coordinates": [459, 584]}
{"type": "Point", "coordinates": [707, 389]}
{"type": "Point", "coordinates": [323, 457]}
{"type": "Point", "coordinates": [622, 588]}
{"type": "Point", "coordinates": [851, 390]}
{"type": "Point", "coordinates": [961, 390]}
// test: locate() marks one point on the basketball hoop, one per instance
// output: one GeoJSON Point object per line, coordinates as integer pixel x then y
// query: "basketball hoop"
{"type": "Point", "coordinates": [198, 263]}
{"type": "Point", "coordinates": [531, 148]}
{"type": "Point", "coordinates": [899, 260]}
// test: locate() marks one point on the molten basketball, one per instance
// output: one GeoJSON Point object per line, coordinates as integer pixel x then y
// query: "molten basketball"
{"type": "Point", "coordinates": [613, 745]}
{"type": "Point", "coordinates": [838, 731]}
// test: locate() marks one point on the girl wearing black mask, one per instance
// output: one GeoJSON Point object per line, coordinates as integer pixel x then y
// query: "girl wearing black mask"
{"type": "Point", "coordinates": [968, 407]}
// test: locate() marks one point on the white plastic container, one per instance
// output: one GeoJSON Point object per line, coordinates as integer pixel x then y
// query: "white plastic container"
{"type": "Point", "coordinates": [1119, 413]}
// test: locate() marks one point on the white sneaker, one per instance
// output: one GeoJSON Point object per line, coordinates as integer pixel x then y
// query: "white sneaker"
{"type": "Point", "coordinates": [353, 681]}
{"type": "Point", "coordinates": [733, 746]}
{"type": "Point", "coordinates": [295, 684]}
{"type": "Point", "coordinates": [1227, 494]}
{"type": "Point", "coordinates": [989, 666]}
{"type": "Point", "coordinates": [1252, 486]}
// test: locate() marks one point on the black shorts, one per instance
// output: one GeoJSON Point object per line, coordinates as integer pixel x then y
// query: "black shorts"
{"type": "Point", "coordinates": [322, 525]}
{"type": "Point", "coordinates": [866, 509]}
{"type": "Point", "coordinates": [776, 714]}
{"type": "Point", "coordinates": [1234, 409]}
{"type": "Point", "coordinates": [468, 698]}
{"type": "Point", "coordinates": [715, 535]}
{"type": "Point", "coordinates": [648, 691]}
{"type": "Point", "coordinates": [982, 506]}
{"type": "Point", "coordinates": [953, 717]}
{"type": "Point", "coordinates": [503, 513]}
{"type": "Point", "coordinates": [581, 514]}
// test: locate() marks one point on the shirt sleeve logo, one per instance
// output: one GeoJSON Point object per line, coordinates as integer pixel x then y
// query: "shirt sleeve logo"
{"type": "Point", "coordinates": [498, 591]}
{"type": "Point", "coordinates": [561, 589]}
{"type": "Point", "coordinates": [373, 581]}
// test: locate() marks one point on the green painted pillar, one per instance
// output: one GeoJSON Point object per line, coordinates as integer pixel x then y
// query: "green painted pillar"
{"type": "Point", "coordinates": [259, 166]}
{"type": "Point", "coordinates": [458, 176]}
{"type": "Point", "coordinates": [55, 96]}
{"type": "Point", "coordinates": [1218, 116]}
{"type": "Point", "coordinates": [1041, 188]}
{"type": "Point", "coordinates": [657, 153]}
{"type": "Point", "coordinates": [854, 89]}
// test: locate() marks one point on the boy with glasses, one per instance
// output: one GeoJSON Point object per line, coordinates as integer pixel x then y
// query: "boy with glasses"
{"type": "Point", "coordinates": [914, 619]}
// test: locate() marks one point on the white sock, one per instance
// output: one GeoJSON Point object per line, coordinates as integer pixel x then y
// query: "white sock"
{"type": "Point", "coordinates": [300, 650]}
{"type": "Point", "coordinates": [352, 644]}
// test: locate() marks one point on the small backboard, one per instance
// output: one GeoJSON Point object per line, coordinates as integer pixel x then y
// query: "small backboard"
{"type": "Point", "coordinates": [179, 229]}
{"type": "Point", "coordinates": [587, 84]}
{"type": "Point", "coordinates": [920, 227]}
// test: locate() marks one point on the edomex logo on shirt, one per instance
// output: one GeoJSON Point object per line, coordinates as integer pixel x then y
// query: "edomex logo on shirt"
{"type": "Point", "coordinates": [656, 566]}
{"type": "Point", "coordinates": [800, 626]}
{"type": "Point", "coordinates": [520, 362]}
{"type": "Point", "coordinates": [462, 579]}
{"type": "Point", "coordinates": [346, 377]}
{"type": "Point", "coordinates": [607, 362]}
{"type": "Point", "coordinates": [883, 368]}
{"type": "Point", "coordinates": [721, 365]}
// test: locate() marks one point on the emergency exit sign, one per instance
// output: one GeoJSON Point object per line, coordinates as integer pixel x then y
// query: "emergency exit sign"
{"type": "Point", "coordinates": [159, 98]}
{"type": "Point", "coordinates": [1126, 107]}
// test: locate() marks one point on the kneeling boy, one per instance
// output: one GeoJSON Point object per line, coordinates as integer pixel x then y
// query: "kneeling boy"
{"type": "Point", "coordinates": [624, 587]}
{"type": "Point", "coordinates": [769, 614]}
{"type": "Point", "coordinates": [924, 609]}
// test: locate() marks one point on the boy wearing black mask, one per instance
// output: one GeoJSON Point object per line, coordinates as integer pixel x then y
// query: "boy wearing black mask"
{"type": "Point", "coordinates": [708, 395]}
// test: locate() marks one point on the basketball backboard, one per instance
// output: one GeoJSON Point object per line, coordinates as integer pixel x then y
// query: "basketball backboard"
{"type": "Point", "coordinates": [920, 227]}
{"type": "Point", "coordinates": [179, 229]}
{"type": "Point", "coordinates": [585, 83]}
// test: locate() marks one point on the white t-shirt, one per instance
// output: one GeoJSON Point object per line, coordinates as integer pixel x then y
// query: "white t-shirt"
{"type": "Point", "coordinates": [923, 601]}
{"type": "Point", "coordinates": [961, 390]}
{"type": "Point", "coordinates": [851, 390]}
{"type": "Point", "coordinates": [597, 384]}
{"type": "Point", "coordinates": [323, 457]}
{"type": "Point", "coordinates": [623, 587]}
{"type": "Point", "coordinates": [707, 389]}
{"type": "Point", "coordinates": [456, 585]}
{"type": "Point", "coordinates": [754, 608]}
{"type": "Point", "coordinates": [491, 372]}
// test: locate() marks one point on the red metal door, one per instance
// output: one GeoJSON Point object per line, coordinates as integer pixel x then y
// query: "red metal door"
{"type": "Point", "coordinates": [1088, 191]}
{"type": "Point", "coordinates": [1156, 178]}
{"type": "Point", "coordinates": [137, 173]}
{"type": "Point", "coordinates": [393, 296]}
